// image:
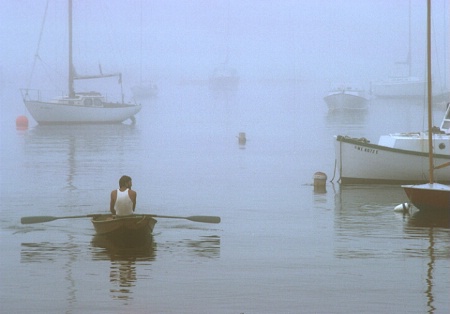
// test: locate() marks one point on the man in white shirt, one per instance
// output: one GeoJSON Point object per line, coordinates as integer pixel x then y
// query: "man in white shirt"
{"type": "Point", "coordinates": [123, 200]}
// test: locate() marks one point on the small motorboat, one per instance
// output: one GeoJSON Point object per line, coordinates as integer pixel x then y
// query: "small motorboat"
{"type": "Point", "coordinates": [126, 226]}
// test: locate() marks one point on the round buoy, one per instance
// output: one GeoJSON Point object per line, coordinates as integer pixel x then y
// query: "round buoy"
{"type": "Point", "coordinates": [320, 179]}
{"type": "Point", "coordinates": [21, 122]}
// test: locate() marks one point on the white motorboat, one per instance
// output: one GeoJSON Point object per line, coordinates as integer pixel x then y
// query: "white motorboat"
{"type": "Point", "coordinates": [346, 98]}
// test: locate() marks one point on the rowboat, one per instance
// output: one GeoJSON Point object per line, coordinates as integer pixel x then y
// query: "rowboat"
{"type": "Point", "coordinates": [126, 226]}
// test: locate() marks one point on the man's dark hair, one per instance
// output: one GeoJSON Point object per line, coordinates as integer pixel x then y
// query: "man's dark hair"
{"type": "Point", "coordinates": [124, 180]}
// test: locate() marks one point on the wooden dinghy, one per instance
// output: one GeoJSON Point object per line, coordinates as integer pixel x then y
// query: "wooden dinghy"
{"type": "Point", "coordinates": [126, 226]}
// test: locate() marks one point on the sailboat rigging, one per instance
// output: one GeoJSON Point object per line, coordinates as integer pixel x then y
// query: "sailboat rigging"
{"type": "Point", "coordinates": [78, 107]}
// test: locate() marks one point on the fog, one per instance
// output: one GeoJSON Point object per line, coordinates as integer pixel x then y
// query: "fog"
{"type": "Point", "coordinates": [334, 41]}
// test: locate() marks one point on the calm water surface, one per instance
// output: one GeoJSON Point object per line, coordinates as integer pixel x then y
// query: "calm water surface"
{"type": "Point", "coordinates": [282, 246]}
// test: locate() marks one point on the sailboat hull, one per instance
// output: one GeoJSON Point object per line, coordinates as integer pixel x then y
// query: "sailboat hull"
{"type": "Point", "coordinates": [62, 113]}
{"type": "Point", "coordinates": [399, 88]}
{"type": "Point", "coordinates": [429, 197]}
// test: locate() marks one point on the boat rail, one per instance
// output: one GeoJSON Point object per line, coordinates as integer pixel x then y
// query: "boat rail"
{"type": "Point", "coordinates": [53, 96]}
{"type": "Point", "coordinates": [39, 94]}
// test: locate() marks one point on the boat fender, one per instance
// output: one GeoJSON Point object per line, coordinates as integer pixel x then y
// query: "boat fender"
{"type": "Point", "coordinates": [402, 208]}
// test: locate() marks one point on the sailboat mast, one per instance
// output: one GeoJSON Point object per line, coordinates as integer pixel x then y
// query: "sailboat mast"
{"type": "Point", "coordinates": [430, 120]}
{"type": "Point", "coordinates": [71, 88]}
{"type": "Point", "coordinates": [409, 39]}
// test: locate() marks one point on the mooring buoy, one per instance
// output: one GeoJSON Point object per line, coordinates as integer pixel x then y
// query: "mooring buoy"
{"type": "Point", "coordinates": [21, 123]}
{"type": "Point", "coordinates": [241, 138]}
{"type": "Point", "coordinates": [320, 179]}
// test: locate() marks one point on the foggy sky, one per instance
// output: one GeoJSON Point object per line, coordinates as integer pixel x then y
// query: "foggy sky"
{"type": "Point", "coordinates": [337, 40]}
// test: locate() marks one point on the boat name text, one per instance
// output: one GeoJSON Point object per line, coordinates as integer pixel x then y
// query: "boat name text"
{"type": "Point", "coordinates": [366, 149]}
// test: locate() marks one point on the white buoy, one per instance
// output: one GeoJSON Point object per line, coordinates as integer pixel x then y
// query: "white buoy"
{"type": "Point", "coordinates": [402, 208]}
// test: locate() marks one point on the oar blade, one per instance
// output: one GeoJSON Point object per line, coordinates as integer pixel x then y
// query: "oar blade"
{"type": "Point", "coordinates": [36, 219]}
{"type": "Point", "coordinates": [205, 219]}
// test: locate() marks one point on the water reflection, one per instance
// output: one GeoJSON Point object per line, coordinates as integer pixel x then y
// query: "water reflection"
{"type": "Point", "coordinates": [125, 256]}
{"type": "Point", "coordinates": [47, 253]}
{"type": "Point", "coordinates": [71, 151]}
{"type": "Point", "coordinates": [367, 227]}
{"type": "Point", "coordinates": [430, 219]}
{"type": "Point", "coordinates": [346, 117]}
{"type": "Point", "coordinates": [364, 220]}
{"type": "Point", "coordinates": [429, 226]}
{"type": "Point", "coordinates": [204, 246]}
{"type": "Point", "coordinates": [44, 252]}
{"type": "Point", "coordinates": [351, 198]}
{"type": "Point", "coordinates": [434, 227]}
{"type": "Point", "coordinates": [429, 280]}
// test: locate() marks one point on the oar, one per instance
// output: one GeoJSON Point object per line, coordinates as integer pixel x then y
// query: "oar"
{"type": "Point", "coordinates": [38, 219]}
{"type": "Point", "coordinates": [205, 219]}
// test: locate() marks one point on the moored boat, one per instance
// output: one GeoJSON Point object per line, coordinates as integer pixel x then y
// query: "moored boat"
{"type": "Point", "coordinates": [78, 107]}
{"type": "Point", "coordinates": [346, 98]}
{"type": "Point", "coordinates": [224, 77]}
{"type": "Point", "coordinates": [401, 158]}
{"type": "Point", "coordinates": [127, 226]}
{"type": "Point", "coordinates": [433, 197]}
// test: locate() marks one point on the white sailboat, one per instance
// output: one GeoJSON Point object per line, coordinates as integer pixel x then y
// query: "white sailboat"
{"type": "Point", "coordinates": [78, 107]}
{"type": "Point", "coordinates": [430, 196]}
{"type": "Point", "coordinates": [144, 90]}
{"type": "Point", "coordinates": [400, 85]}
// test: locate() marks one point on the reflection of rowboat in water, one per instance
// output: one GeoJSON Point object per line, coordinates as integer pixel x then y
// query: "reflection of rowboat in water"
{"type": "Point", "coordinates": [123, 248]}
{"type": "Point", "coordinates": [126, 226]}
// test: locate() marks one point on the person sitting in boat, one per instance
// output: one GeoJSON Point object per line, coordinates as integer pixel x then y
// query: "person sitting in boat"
{"type": "Point", "coordinates": [123, 200]}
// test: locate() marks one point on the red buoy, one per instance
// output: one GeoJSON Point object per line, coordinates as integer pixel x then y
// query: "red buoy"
{"type": "Point", "coordinates": [22, 123]}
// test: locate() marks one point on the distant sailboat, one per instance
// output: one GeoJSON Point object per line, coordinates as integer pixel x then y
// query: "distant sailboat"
{"type": "Point", "coordinates": [78, 107]}
{"type": "Point", "coordinates": [430, 196]}
{"type": "Point", "coordinates": [224, 77]}
{"type": "Point", "coordinates": [144, 90]}
{"type": "Point", "coordinates": [401, 85]}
